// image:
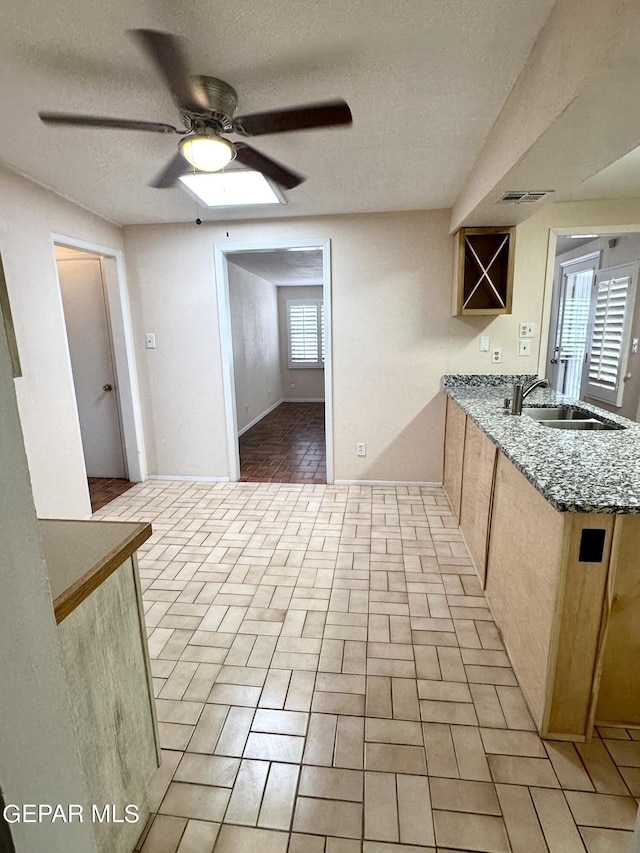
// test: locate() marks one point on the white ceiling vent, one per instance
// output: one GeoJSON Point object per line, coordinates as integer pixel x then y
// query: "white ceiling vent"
{"type": "Point", "coordinates": [523, 196]}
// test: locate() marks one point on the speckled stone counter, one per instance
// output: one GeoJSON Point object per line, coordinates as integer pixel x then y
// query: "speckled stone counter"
{"type": "Point", "coordinates": [576, 471]}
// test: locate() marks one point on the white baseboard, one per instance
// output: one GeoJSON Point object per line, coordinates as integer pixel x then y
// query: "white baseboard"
{"type": "Point", "coordinates": [387, 483]}
{"type": "Point", "coordinates": [302, 400]}
{"type": "Point", "coordinates": [188, 479]}
{"type": "Point", "coordinates": [259, 418]}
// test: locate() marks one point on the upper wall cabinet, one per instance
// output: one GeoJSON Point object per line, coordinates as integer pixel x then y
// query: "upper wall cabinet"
{"type": "Point", "coordinates": [483, 271]}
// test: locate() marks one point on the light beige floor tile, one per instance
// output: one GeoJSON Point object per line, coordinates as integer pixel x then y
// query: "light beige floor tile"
{"type": "Point", "coordinates": [235, 694]}
{"type": "Point", "coordinates": [471, 832]}
{"type": "Point", "coordinates": [250, 676]}
{"type": "Point", "coordinates": [470, 755]}
{"type": "Point", "coordinates": [427, 663]}
{"type": "Point", "coordinates": [338, 703]}
{"type": "Point", "coordinates": [233, 839]}
{"type": "Point", "coordinates": [444, 691]}
{"type": "Point", "coordinates": [391, 667]}
{"type": "Point", "coordinates": [485, 657]}
{"type": "Point", "coordinates": [246, 797]}
{"type": "Point", "coordinates": [284, 748]}
{"type": "Point", "coordinates": [385, 847]}
{"type": "Point", "coordinates": [440, 752]}
{"type": "Point", "coordinates": [389, 758]}
{"type": "Point", "coordinates": [276, 810]}
{"type": "Point", "coordinates": [393, 731]}
{"type": "Point", "coordinates": [567, 765]}
{"type": "Point", "coordinates": [331, 656]}
{"type": "Point", "coordinates": [320, 739]}
{"type": "Point", "coordinates": [174, 735]}
{"type": "Point", "coordinates": [461, 795]}
{"type": "Point", "coordinates": [414, 810]}
{"type": "Point", "coordinates": [631, 776]}
{"type": "Point", "coordinates": [301, 843]}
{"type": "Point", "coordinates": [606, 840]}
{"type": "Point", "coordinates": [300, 692]}
{"type": "Point", "coordinates": [558, 826]}
{"type": "Point", "coordinates": [173, 711]}
{"type": "Point", "coordinates": [518, 770]}
{"type": "Point", "coordinates": [487, 705]}
{"type": "Point", "coordinates": [515, 708]}
{"type": "Point", "coordinates": [380, 807]}
{"type": "Point", "coordinates": [335, 683]}
{"type": "Point", "coordinates": [331, 783]}
{"type": "Point", "coordinates": [378, 696]}
{"type": "Point", "coordinates": [280, 722]}
{"type": "Point", "coordinates": [324, 817]}
{"type": "Point", "coordinates": [161, 779]}
{"type": "Point", "coordinates": [235, 731]}
{"type": "Point", "coordinates": [604, 810]}
{"type": "Point", "coordinates": [199, 837]}
{"type": "Point", "coordinates": [276, 686]}
{"type": "Point", "coordinates": [624, 753]}
{"type": "Point", "coordinates": [601, 769]}
{"type": "Point", "coordinates": [404, 699]}
{"type": "Point", "coordinates": [456, 713]}
{"type": "Point", "coordinates": [200, 802]}
{"type": "Point", "coordinates": [164, 835]}
{"type": "Point", "coordinates": [349, 748]}
{"type": "Point", "coordinates": [506, 742]}
{"type": "Point", "coordinates": [519, 814]}
{"type": "Point", "coordinates": [217, 770]}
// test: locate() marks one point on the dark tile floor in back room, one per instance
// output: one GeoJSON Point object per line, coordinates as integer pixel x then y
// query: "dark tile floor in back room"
{"type": "Point", "coordinates": [329, 679]}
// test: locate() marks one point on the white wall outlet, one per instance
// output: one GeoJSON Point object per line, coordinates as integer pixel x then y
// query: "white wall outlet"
{"type": "Point", "coordinates": [150, 340]}
{"type": "Point", "coordinates": [524, 346]}
{"type": "Point", "coordinates": [484, 343]}
{"type": "Point", "coordinates": [361, 449]}
{"type": "Point", "coordinates": [634, 345]}
{"type": "Point", "coordinates": [527, 330]}
{"type": "Point", "coordinates": [496, 355]}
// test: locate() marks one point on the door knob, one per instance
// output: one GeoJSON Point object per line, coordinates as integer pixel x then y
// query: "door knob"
{"type": "Point", "coordinates": [554, 361]}
{"type": "Point", "coordinates": [107, 387]}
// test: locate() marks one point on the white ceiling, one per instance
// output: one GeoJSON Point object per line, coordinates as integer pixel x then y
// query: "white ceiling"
{"type": "Point", "coordinates": [282, 267]}
{"type": "Point", "coordinates": [425, 80]}
{"type": "Point", "coordinates": [619, 180]}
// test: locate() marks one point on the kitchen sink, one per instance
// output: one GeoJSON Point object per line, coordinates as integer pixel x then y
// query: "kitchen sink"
{"type": "Point", "coordinates": [567, 417]}
{"type": "Point", "coordinates": [561, 413]}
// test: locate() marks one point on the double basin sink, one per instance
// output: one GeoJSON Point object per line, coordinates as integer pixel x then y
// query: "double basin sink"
{"type": "Point", "coordinates": [569, 417]}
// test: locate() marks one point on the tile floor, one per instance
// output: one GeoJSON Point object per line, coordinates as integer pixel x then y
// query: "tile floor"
{"type": "Point", "coordinates": [288, 446]}
{"type": "Point", "coordinates": [102, 490]}
{"type": "Point", "coordinates": [330, 680]}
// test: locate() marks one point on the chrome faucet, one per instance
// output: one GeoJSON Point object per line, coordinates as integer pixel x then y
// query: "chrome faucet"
{"type": "Point", "coordinates": [520, 393]}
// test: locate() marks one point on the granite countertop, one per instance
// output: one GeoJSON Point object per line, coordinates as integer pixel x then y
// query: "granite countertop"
{"type": "Point", "coordinates": [576, 471]}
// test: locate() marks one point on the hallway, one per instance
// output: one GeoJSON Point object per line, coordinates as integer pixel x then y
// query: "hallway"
{"type": "Point", "coordinates": [287, 446]}
{"type": "Point", "coordinates": [330, 680]}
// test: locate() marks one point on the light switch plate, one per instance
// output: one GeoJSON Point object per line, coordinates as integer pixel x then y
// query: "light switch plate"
{"type": "Point", "coordinates": [524, 347]}
{"type": "Point", "coordinates": [150, 340]}
{"type": "Point", "coordinates": [484, 343]}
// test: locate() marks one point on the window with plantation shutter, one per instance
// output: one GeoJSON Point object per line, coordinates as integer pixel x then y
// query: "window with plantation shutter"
{"type": "Point", "coordinates": [306, 332]}
{"type": "Point", "coordinates": [610, 322]}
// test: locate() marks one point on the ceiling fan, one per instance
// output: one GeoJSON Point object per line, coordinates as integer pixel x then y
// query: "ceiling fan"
{"type": "Point", "coordinates": [207, 106]}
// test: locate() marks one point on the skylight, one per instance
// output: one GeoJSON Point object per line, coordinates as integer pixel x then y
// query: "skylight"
{"type": "Point", "coordinates": [231, 189]}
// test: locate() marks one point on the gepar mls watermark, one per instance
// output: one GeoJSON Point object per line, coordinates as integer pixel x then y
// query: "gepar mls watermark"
{"type": "Point", "coordinates": [70, 813]}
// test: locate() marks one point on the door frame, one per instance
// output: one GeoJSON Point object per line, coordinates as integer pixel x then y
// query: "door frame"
{"type": "Point", "coordinates": [121, 332]}
{"type": "Point", "coordinates": [221, 253]}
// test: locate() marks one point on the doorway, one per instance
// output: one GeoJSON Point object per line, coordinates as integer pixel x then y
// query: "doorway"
{"type": "Point", "coordinates": [274, 315]}
{"type": "Point", "coordinates": [83, 277]}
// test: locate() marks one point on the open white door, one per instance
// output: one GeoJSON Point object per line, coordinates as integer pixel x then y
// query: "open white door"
{"type": "Point", "coordinates": [88, 333]}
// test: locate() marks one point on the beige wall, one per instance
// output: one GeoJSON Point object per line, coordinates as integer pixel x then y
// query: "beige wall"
{"type": "Point", "coordinates": [393, 338]}
{"type": "Point", "coordinates": [309, 382]}
{"type": "Point", "coordinates": [38, 755]}
{"type": "Point", "coordinates": [256, 345]}
{"type": "Point", "coordinates": [28, 217]}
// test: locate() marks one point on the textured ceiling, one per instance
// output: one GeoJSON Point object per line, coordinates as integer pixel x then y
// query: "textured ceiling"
{"type": "Point", "coordinates": [425, 80]}
{"type": "Point", "coordinates": [282, 267]}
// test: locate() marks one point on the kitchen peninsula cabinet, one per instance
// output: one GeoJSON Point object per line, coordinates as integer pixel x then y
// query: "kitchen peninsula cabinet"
{"type": "Point", "coordinates": [552, 521]}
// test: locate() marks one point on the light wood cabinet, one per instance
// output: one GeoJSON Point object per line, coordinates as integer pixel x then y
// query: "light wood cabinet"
{"type": "Point", "coordinates": [483, 271]}
{"type": "Point", "coordinates": [455, 426]}
{"type": "Point", "coordinates": [478, 472]}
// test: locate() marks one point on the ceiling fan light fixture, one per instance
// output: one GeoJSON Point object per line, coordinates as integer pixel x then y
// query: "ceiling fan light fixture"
{"type": "Point", "coordinates": [207, 152]}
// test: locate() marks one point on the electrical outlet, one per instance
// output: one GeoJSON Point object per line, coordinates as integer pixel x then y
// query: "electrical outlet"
{"type": "Point", "coordinates": [496, 355]}
{"type": "Point", "coordinates": [150, 340]}
{"type": "Point", "coordinates": [524, 346]}
{"type": "Point", "coordinates": [527, 330]}
{"type": "Point", "coordinates": [634, 345]}
{"type": "Point", "coordinates": [361, 449]}
{"type": "Point", "coordinates": [484, 343]}
{"type": "Point", "coordinates": [246, 409]}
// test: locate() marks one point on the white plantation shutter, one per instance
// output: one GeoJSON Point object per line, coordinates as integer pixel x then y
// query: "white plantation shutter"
{"type": "Point", "coordinates": [573, 325]}
{"type": "Point", "coordinates": [306, 332]}
{"type": "Point", "coordinates": [611, 310]}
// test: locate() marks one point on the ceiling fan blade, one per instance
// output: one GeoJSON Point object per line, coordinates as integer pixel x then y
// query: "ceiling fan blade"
{"type": "Point", "coordinates": [279, 174]}
{"type": "Point", "coordinates": [165, 51]}
{"type": "Point", "coordinates": [98, 121]}
{"type": "Point", "coordinates": [176, 167]}
{"type": "Point", "coordinates": [327, 114]}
